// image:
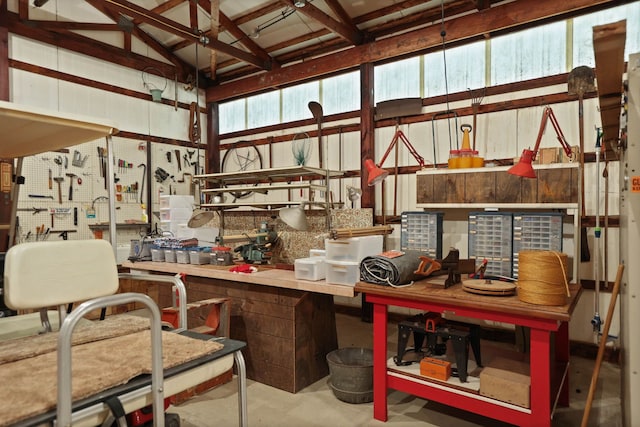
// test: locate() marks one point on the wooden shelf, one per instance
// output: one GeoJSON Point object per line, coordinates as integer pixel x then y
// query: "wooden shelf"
{"type": "Point", "coordinates": [556, 185]}
{"type": "Point", "coordinates": [264, 189]}
{"type": "Point", "coordinates": [268, 175]}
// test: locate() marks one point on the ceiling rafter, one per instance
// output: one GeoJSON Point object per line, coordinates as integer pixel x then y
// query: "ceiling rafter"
{"type": "Point", "coordinates": [509, 15]}
{"type": "Point", "coordinates": [172, 27]}
{"type": "Point", "coordinates": [341, 13]}
{"type": "Point", "coordinates": [350, 33]}
{"type": "Point", "coordinates": [182, 68]}
{"type": "Point", "coordinates": [228, 25]}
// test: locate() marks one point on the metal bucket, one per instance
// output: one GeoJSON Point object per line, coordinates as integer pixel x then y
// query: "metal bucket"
{"type": "Point", "coordinates": [351, 372]}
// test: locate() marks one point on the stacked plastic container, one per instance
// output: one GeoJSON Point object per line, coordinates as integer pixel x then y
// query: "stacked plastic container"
{"type": "Point", "coordinates": [311, 268]}
{"type": "Point", "coordinates": [344, 256]}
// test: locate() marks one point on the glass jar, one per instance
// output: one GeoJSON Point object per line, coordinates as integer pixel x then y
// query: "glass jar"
{"type": "Point", "coordinates": [466, 159]}
{"type": "Point", "coordinates": [454, 156]}
{"type": "Point", "coordinates": [477, 161]}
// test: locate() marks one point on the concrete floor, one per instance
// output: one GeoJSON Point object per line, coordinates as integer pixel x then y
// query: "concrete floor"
{"type": "Point", "coordinates": [317, 406]}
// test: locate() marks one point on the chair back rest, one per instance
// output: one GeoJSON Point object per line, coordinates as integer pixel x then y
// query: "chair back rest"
{"type": "Point", "coordinates": [46, 274]}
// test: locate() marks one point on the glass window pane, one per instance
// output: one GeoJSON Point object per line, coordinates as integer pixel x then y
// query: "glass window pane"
{"type": "Point", "coordinates": [263, 109]}
{"type": "Point", "coordinates": [583, 32]}
{"type": "Point", "coordinates": [399, 79]}
{"type": "Point", "coordinates": [341, 93]}
{"type": "Point", "coordinates": [232, 116]}
{"type": "Point", "coordinates": [529, 54]}
{"type": "Point", "coordinates": [295, 101]}
{"type": "Point", "coordinates": [465, 69]}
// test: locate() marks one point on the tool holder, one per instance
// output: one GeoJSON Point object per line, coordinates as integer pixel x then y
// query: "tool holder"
{"type": "Point", "coordinates": [438, 332]}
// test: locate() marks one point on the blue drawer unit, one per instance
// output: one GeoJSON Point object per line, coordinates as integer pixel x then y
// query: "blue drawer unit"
{"type": "Point", "coordinates": [490, 238]}
{"type": "Point", "coordinates": [536, 231]}
{"type": "Point", "coordinates": [422, 231]}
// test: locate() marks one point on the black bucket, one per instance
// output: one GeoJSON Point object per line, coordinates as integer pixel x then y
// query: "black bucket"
{"type": "Point", "coordinates": [351, 372]}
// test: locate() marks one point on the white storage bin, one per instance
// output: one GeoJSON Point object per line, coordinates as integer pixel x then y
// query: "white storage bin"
{"type": "Point", "coordinates": [317, 252]}
{"type": "Point", "coordinates": [353, 248]}
{"type": "Point", "coordinates": [343, 272]}
{"type": "Point", "coordinates": [312, 268]}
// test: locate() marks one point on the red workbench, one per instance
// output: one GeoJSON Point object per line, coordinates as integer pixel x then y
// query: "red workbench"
{"type": "Point", "coordinates": [549, 378]}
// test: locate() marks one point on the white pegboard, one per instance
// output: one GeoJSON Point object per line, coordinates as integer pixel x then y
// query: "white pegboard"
{"type": "Point", "coordinates": [90, 195]}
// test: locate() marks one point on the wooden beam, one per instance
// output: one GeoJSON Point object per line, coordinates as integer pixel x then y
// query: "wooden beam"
{"type": "Point", "coordinates": [214, 7]}
{"type": "Point", "coordinates": [468, 26]}
{"type": "Point", "coordinates": [367, 132]}
{"type": "Point", "coordinates": [341, 13]}
{"type": "Point", "coordinates": [244, 39]}
{"type": "Point", "coordinates": [349, 33]}
{"type": "Point", "coordinates": [172, 27]}
{"type": "Point", "coordinates": [608, 46]}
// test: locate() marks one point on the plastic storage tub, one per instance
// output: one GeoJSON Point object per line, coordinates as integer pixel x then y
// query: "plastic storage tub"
{"type": "Point", "coordinates": [182, 256]}
{"type": "Point", "coordinates": [199, 257]}
{"type": "Point", "coordinates": [157, 255]}
{"type": "Point", "coordinates": [343, 272]}
{"type": "Point", "coordinates": [317, 252]}
{"type": "Point", "coordinates": [312, 268]}
{"type": "Point", "coordinates": [353, 249]}
{"type": "Point", "coordinates": [169, 255]}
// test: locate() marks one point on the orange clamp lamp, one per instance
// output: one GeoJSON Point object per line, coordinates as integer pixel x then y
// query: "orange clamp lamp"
{"type": "Point", "coordinates": [375, 172]}
{"type": "Point", "coordinates": [523, 168]}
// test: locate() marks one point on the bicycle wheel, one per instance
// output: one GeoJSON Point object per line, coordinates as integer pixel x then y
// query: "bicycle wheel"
{"type": "Point", "coordinates": [241, 159]}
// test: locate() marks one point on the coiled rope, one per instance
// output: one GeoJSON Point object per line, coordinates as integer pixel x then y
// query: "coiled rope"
{"type": "Point", "coordinates": [542, 277]}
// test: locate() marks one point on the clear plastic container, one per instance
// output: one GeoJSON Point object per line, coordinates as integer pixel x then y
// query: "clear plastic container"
{"type": "Point", "coordinates": [343, 272]}
{"type": "Point", "coordinates": [199, 257]}
{"type": "Point", "coordinates": [353, 248]}
{"type": "Point", "coordinates": [157, 255]}
{"type": "Point", "coordinates": [182, 256]}
{"type": "Point", "coordinates": [312, 268]}
{"type": "Point", "coordinates": [169, 255]}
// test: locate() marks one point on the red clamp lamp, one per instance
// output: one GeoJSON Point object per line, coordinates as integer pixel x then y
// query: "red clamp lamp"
{"type": "Point", "coordinates": [523, 168]}
{"type": "Point", "coordinates": [375, 172]}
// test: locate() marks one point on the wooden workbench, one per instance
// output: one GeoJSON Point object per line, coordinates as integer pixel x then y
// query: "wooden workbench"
{"type": "Point", "coordinates": [289, 325]}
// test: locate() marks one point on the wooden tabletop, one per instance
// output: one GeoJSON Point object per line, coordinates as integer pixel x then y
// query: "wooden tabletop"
{"type": "Point", "coordinates": [266, 276]}
{"type": "Point", "coordinates": [426, 292]}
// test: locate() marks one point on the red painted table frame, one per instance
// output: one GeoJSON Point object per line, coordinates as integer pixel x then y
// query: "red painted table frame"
{"type": "Point", "coordinates": [546, 389]}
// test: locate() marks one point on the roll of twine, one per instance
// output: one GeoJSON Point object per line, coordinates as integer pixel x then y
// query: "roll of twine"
{"type": "Point", "coordinates": [542, 277]}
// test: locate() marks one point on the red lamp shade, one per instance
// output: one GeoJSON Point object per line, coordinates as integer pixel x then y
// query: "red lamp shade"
{"type": "Point", "coordinates": [523, 168]}
{"type": "Point", "coordinates": [374, 173]}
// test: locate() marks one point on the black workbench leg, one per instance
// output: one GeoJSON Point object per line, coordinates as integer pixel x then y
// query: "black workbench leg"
{"type": "Point", "coordinates": [461, 350]}
{"type": "Point", "coordinates": [475, 343]}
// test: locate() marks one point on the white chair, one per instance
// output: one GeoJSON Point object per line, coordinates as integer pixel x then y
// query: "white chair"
{"type": "Point", "coordinates": [45, 274]}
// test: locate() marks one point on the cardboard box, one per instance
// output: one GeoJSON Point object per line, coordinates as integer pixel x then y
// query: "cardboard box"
{"type": "Point", "coordinates": [435, 368]}
{"type": "Point", "coordinates": [507, 380]}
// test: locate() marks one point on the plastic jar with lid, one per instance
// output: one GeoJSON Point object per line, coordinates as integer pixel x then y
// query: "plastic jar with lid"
{"type": "Point", "coordinates": [466, 159]}
{"type": "Point", "coordinates": [477, 161]}
{"type": "Point", "coordinates": [454, 156]}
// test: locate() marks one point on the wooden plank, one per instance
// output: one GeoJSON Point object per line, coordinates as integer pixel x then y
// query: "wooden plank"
{"type": "Point", "coordinates": [480, 188]}
{"type": "Point", "coordinates": [508, 188]}
{"type": "Point", "coordinates": [424, 186]}
{"type": "Point", "coordinates": [555, 186]}
{"type": "Point", "coordinates": [608, 45]}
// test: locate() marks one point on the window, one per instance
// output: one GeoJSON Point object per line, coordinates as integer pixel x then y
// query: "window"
{"type": "Point", "coordinates": [529, 54]}
{"type": "Point", "coordinates": [400, 79]}
{"type": "Point", "coordinates": [341, 93]}
{"type": "Point", "coordinates": [583, 32]}
{"type": "Point", "coordinates": [232, 116]}
{"type": "Point", "coordinates": [263, 109]}
{"type": "Point", "coordinates": [465, 69]}
{"type": "Point", "coordinates": [295, 101]}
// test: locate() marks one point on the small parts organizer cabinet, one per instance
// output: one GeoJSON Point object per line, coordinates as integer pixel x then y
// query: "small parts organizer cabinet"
{"type": "Point", "coordinates": [549, 376]}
